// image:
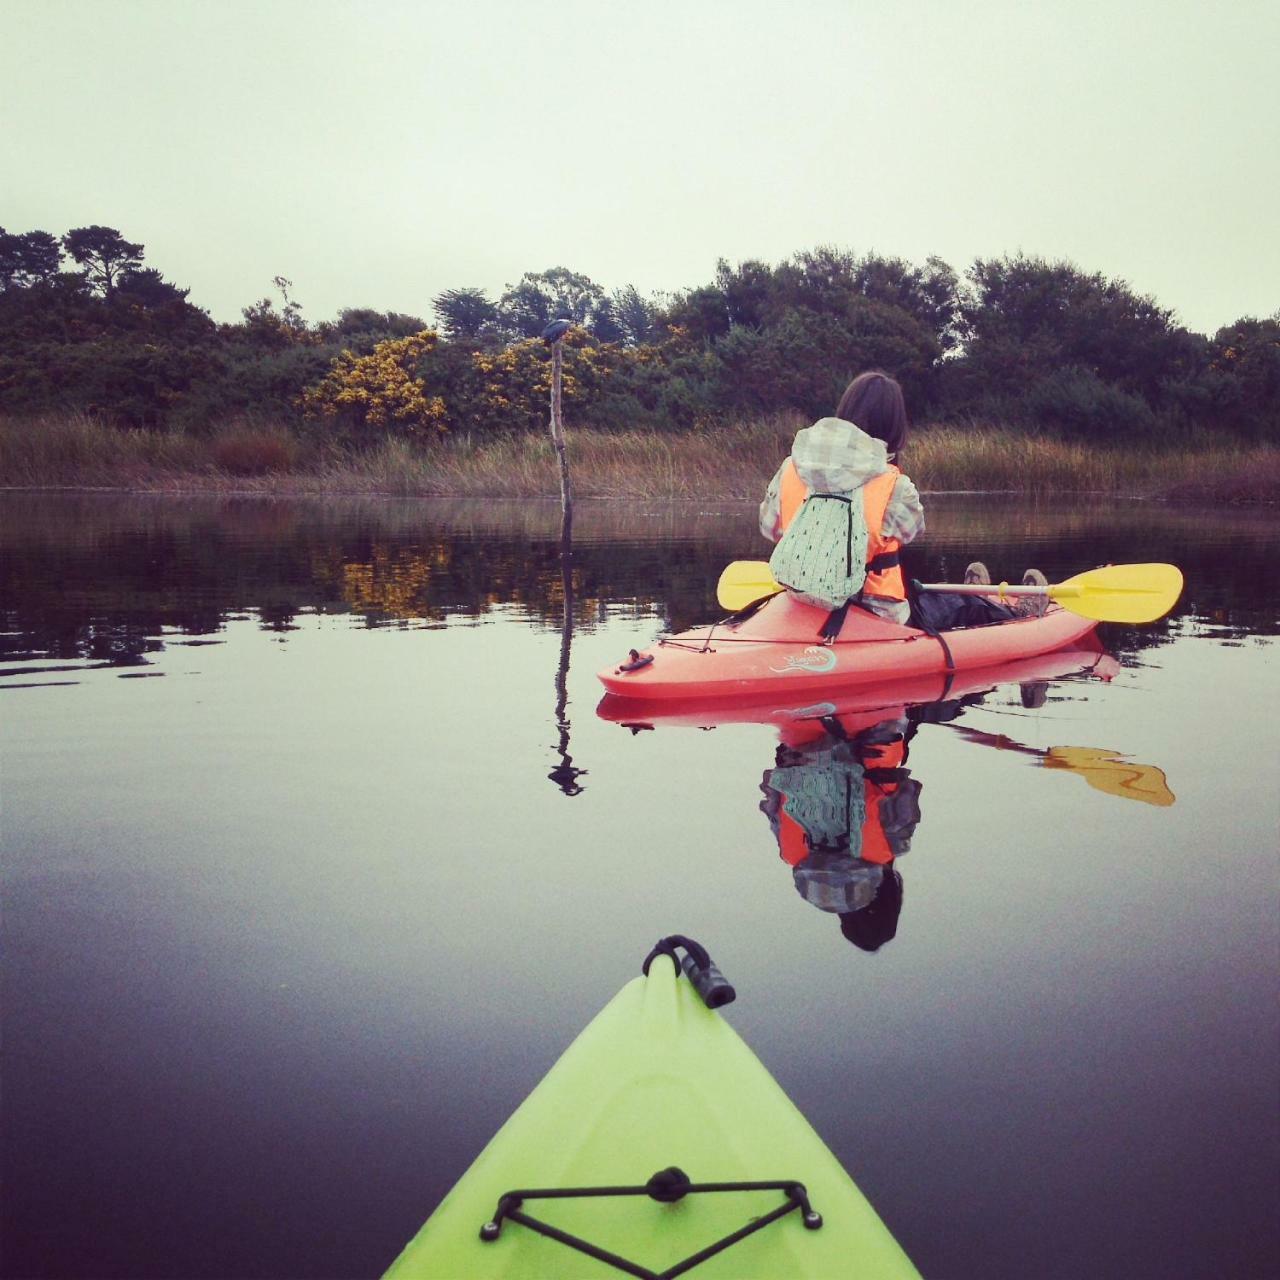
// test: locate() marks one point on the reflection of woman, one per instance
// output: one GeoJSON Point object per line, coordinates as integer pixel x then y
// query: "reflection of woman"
{"type": "Point", "coordinates": [842, 808]}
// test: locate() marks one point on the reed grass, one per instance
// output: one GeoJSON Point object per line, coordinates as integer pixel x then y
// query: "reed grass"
{"type": "Point", "coordinates": [730, 462]}
{"type": "Point", "coordinates": [74, 449]}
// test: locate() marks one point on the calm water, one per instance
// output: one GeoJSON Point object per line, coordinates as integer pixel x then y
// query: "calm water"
{"type": "Point", "coordinates": [314, 864]}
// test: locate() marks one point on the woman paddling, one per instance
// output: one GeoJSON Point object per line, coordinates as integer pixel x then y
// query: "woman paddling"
{"type": "Point", "coordinates": [872, 509]}
{"type": "Point", "coordinates": [840, 509]}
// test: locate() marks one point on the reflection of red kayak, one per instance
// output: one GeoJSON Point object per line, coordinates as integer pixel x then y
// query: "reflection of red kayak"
{"type": "Point", "coordinates": [857, 705]}
{"type": "Point", "coordinates": [776, 651]}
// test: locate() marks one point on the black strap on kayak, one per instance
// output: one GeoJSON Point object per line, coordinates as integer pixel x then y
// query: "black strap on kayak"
{"type": "Point", "coordinates": [918, 621]}
{"type": "Point", "coordinates": [713, 987]}
{"type": "Point", "coordinates": [666, 1186]}
{"type": "Point", "coordinates": [833, 623]}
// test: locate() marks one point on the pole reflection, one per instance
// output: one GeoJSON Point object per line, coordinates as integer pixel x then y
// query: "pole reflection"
{"type": "Point", "coordinates": [566, 774]}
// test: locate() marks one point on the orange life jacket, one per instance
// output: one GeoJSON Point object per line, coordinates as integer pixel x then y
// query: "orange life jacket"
{"type": "Point", "coordinates": [884, 577]}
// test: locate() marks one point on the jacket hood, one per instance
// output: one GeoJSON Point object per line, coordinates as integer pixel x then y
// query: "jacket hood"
{"type": "Point", "coordinates": [834, 456]}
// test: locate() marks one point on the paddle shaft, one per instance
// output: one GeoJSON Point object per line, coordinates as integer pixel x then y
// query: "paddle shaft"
{"type": "Point", "coordinates": [1000, 589]}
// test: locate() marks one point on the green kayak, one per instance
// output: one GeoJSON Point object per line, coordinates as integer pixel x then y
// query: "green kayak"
{"type": "Point", "coordinates": [658, 1145]}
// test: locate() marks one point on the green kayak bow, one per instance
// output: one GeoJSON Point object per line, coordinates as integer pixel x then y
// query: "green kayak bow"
{"type": "Point", "coordinates": [658, 1145]}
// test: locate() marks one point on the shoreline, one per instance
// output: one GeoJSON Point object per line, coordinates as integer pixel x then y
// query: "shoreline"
{"type": "Point", "coordinates": [203, 486]}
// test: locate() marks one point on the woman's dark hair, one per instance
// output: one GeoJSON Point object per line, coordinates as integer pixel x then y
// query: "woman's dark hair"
{"type": "Point", "coordinates": [873, 401]}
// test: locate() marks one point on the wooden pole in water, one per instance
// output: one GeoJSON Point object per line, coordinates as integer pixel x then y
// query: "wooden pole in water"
{"type": "Point", "coordinates": [564, 775]}
{"type": "Point", "coordinates": [554, 334]}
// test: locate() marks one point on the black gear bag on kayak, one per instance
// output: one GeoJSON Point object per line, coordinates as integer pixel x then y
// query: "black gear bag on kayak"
{"type": "Point", "coordinates": [942, 610]}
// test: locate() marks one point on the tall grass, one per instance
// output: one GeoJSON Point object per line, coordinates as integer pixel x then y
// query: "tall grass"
{"type": "Point", "coordinates": [986, 458]}
{"type": "Point", "coordinates": [723, 463]}
{"type": "Point", "coordinates": [74, 449]}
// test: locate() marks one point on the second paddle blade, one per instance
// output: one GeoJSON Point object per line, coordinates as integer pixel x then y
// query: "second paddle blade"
{"type": "Point", "coordinates": [744, 582]}
{"type": "Point", "coordinates": [1122, 592]}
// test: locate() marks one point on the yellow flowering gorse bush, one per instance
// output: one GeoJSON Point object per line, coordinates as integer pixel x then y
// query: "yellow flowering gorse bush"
{"type": "Point", "coordinates": [381, 390]}
{"type": "Point", "coordinates": [470, 391]}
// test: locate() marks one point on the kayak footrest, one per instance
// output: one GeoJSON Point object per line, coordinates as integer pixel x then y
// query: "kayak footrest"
{"type": "Point", "coordinates": [666, 1186]}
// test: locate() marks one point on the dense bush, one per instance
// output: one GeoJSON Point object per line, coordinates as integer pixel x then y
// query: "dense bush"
{"type": "Point", "coordinates": [1245, 365]}
{"type": "Point", "coordinates": [1078, 402]}
{"type": "Point", "coordinates": [130, 383]}
{"type": "Point", "coordinates": [86, 326]}
{"type": "Point", "coordinates": [1024, 317]}
{"type": "Point", "coordinates": [254, 384]}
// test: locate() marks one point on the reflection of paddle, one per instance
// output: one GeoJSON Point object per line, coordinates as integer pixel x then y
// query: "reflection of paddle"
{"type": "Point", "coordinates": [1112, 773]}
{"type": "Point", "coordinates": [1103, 770]}
{"type": "Point", "coordinates": [1114, 593]}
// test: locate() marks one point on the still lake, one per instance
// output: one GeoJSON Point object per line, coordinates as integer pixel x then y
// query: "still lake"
{"type": "Point", "coordinates": [316, 857]}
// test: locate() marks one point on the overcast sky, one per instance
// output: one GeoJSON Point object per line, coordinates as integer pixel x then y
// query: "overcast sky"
{"type": "Point", "coordinates": [376, 153]}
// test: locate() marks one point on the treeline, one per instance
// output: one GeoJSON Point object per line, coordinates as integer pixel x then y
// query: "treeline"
{"type": "Point", "coordinates": [1018, 341]}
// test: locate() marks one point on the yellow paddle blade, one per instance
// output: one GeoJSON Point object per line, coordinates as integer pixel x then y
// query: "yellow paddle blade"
{"type": "Point", "coordinates": [743, 583]}
{"type": "Point", "coordinates": [1107, 771]}
{"type": "Point", "coordinates": [1121, 592]}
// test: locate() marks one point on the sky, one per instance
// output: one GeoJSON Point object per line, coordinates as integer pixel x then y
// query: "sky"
{"type": "Point", "coordinates": [378, 153]}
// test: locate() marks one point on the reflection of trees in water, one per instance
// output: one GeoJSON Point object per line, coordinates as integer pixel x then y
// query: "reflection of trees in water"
{"type": "Point", "coordinates": [78, 573]}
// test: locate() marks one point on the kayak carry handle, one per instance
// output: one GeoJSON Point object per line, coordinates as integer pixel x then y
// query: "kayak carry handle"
{"type": "Point", "coordinates": [667, 1186]}
{"type": "Point", "coordinates": [713, 988]}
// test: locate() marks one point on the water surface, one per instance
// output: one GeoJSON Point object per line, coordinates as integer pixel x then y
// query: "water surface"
{"type": "Point", "coordinates": [317, 856]}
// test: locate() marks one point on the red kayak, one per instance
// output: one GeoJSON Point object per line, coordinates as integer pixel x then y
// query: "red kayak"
{"type": "Point", "coordinates": [857, 706]}
{"type": "Point", "coordinates": [776, 651]}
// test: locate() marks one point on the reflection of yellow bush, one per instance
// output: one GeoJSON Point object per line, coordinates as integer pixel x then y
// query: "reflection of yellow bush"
{"type": "Point", "coordinates": [380, 390]}
{"type": "Point", "coordinates": [392, 583]}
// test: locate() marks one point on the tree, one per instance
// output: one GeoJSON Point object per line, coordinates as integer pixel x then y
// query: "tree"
{"type": "Point", "coordinates": [806, 358]}
{"type": "Point", "coordinates": [605, 325]}
{"type": "Point", "coordinates": [635, 316]}
{"type": "Point", "coordinates": [28, 259]}
{"type": "Point", "coordinates": [527, 308]}
{"type": "Point", "coordinates": [464, 313]}
{"type": "Point", "coordinates": [148, 288]}
{"type": "Point", "coordinates": [1246, 361]}
{"type": "Point", "coordinates": [1024, 317]}
{"type": "Point", "coordinates": [698, 315]}
{"type": "Point", "coordinates": [360, 329]}
{"type": "Point", "coordinates": [828, 280]}
{"type": "Point", "coordinates": [930, 293]}
{"type": "Point", "coordinates": [104, 254]}
{"type": "Point", "coordinates": [747, 290]}
{"type": "Point", "coordinates": [266, 327]}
